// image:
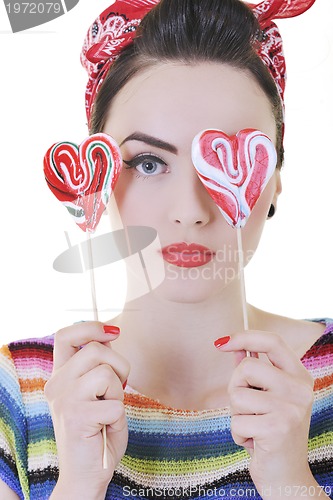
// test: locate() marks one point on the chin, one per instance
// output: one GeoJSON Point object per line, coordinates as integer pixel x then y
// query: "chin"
{"type": "Point", "coordinates": [189, 296]}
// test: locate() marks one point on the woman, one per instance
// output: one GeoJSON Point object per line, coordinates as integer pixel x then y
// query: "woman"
{"type": "Point", "coordinates": [203, 420]}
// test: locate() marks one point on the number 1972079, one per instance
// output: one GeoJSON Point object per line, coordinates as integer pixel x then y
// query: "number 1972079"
{"type": "Point", "coordinates": [34, 8]}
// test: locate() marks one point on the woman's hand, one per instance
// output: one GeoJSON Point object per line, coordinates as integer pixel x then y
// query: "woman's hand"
{"type": "Point", "coordinates": [271, 399]}
{"type": "Point", "coordinates": [85, 392]}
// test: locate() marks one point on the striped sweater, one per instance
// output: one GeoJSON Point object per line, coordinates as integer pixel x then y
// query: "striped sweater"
{"type": "Point", "coordinates": [171, 453]}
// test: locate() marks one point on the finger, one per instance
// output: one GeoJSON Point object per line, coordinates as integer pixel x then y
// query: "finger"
{"type": "Point", "coordinates": [255, 373]}
{"type": "Point", "coordinates": [93, 415]}
{"type": "Point", "coordinates": [101, 382]}
{"type": "Point", "coordinates": [273, 427]}
{"type": "Point", "coordinates": [277, 351]}
{"type": "Point", "coordinates": [248, 401]}
{"type": "Point", "coordinates": [245, 428]}
{"type": "Point", "coordinates": [69, 340]}
{"type": "Point", "coordinates": [239, 356]}
{"type": "Point", "coordinates": [91, 356]}
{"type": "Point", "coordinates": [109, 412]}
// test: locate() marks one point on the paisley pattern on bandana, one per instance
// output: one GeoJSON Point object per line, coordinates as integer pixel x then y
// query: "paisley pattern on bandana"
{"type": "Point", "coordinates": [270, 52]}
{"type": "Point", "coordinates": [279, 9]}
{"type": "Point", "coordinates": [271, 47]}
{"type": "Point", "coordinates": [112, 31]}
{"type": "Point", "coordinates": [116, 28]}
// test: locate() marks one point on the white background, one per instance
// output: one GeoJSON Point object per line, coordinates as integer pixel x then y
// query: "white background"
{"type": "Point", "coordinates": [42, 101]}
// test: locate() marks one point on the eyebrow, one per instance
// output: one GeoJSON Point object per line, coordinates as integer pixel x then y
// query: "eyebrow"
{"type": "Point", "coordinates": [152, 141]}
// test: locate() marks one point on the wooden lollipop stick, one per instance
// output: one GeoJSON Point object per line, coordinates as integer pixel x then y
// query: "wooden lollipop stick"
{"type": "Point", "coordinates": [243, 291]}
{"type": "Point", "coordinates": [242, 277]}
{"type": "Point", "coordinates": [242, 280]}
{"type": "Point", "coordinates": [92, 277]}
{"type": "Point", "coordinates": [95, 311]}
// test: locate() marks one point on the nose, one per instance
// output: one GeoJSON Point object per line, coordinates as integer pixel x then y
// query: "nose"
{"type": "Point", "coordinates": [191, 204]}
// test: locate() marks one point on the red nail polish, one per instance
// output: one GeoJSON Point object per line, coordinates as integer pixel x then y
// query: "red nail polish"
{"type": "Point", "coordinates": [222, 341]}
{"type": "Point", "coordinates": [125, 384]}
{"type": "Point", "coordinates": [111, 329]}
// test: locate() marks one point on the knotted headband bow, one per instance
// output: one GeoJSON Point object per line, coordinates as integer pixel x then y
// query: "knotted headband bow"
{"type": "Point", "coordinates": [116, 27]}
{"type": "Point", "coordinates": [271, 48]}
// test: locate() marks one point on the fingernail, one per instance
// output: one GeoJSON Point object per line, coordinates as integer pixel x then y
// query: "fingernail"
{"type": "Point", "coordinates": [111, 329]}
{"type": "Point", "coordinates": [125, 384]}
{"type": "Point", "coordinates": [222, 341]}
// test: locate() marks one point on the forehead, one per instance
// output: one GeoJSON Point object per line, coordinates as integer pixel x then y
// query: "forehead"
{"type": "Point", "coordinates": [177, 100]}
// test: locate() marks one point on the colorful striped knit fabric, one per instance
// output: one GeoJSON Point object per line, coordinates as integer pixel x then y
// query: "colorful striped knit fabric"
{"type": "Point", "coordinates": [171, 454]}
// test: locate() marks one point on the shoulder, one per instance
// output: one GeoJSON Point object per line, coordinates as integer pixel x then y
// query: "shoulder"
{"type": "Point", "coordinates": [25, 367]}
{"type": "Point", "coordinates": [33, 342]}
{"type": "Point", "coordinates": [27, 442]}
{"type": "Point", "coordinates": [29, 359]}
{"type": "Point", "coordinates": [300, 335]}
{"type": "Point", "coordinates": [31, 347]}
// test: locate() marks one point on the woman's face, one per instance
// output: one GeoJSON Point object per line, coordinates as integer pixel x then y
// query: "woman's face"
{"type": "Point", "coordinates": [154, 119]}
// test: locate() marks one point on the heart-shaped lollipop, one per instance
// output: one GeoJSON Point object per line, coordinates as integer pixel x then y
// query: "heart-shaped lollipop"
{"type": "Point", "coordinates": [234, 169]}
{"type": "Point", "coordinates": [83, 177]}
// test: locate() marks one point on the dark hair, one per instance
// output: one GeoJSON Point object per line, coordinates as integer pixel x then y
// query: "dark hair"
{"type": "Point", "coordinates": [191, 31]}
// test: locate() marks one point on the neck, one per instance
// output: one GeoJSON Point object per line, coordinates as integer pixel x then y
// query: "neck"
{"type": "Point", "coordinates": [175, 342]}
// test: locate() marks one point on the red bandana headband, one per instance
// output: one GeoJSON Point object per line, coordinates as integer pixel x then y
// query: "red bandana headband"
{"type": "Point", "coordinates": [116, 27]}
{"type": "Point", "coordinates": [112, 31]}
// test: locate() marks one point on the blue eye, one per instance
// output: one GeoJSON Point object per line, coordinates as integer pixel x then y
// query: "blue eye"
{"type": "Point", "coordinates": [147, 165]}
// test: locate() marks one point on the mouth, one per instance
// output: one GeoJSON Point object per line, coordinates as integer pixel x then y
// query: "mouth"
{"type": "Point", "coordinates": [187, 255]}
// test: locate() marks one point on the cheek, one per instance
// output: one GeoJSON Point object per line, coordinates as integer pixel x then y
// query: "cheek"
{"type": "Point", "coordinates": [124, 202]}
{"type": "Point", "coordinates": [136, 203]}
{"type": "Point", "coordinates": [128, 204]}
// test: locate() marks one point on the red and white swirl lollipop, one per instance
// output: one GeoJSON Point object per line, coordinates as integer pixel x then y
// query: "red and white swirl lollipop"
{"type": "Point", "coordinates": [234, 169]}
{"type": "Point", "coordinates": [83, 177]}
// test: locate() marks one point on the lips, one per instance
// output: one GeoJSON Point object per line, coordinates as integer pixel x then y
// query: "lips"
{"type": "Point", "coordinates": [187, 255]}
